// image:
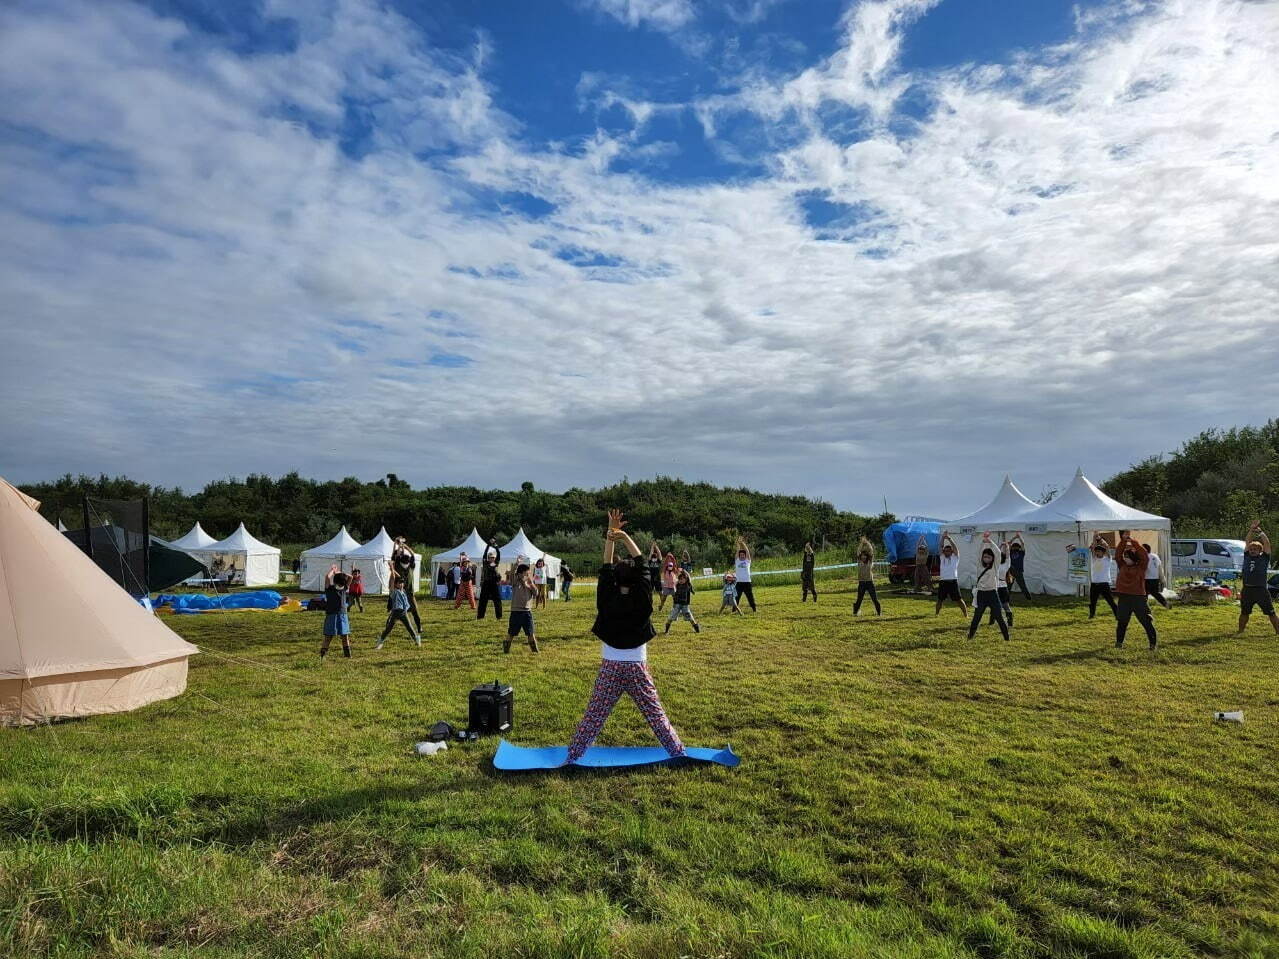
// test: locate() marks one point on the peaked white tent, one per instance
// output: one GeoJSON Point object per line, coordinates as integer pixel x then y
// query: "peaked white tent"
{"type": "Point", "coordinates": [374, 562]}
{"type": "Point", "coordinates": [1072, 518]}
{"type": "Point", "coordinates": [195, 538]}
{"type": "Point", "coordinates": [1002, 517]}
{"type": "Point", "coordinates": [255, 563]}
{"type": "Point", "coordinates": [317, 560]}
{"type": "Point", "coordinates": [473, 546]}
{"type": "Point", "coordinates": [521, 545]}
{"type": "Point", "coordinates": [72, 642]}
{"type": "Point", "coordinates": [194, 543]}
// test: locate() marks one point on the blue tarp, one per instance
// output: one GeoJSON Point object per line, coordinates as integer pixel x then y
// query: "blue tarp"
{"type": "Point", "coordinates": [900, 539]}
{"type": "Point", "coordinates": [512, 758]}
{"type": "Point", "coordinates": [202, 603]}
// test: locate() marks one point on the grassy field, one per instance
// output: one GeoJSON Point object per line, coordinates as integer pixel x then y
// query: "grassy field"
{"type": "Point", "coordinates": [903, 792]}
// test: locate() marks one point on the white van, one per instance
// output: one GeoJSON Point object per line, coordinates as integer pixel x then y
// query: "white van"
{"type": "Point", "coordinates": [1206, 555]}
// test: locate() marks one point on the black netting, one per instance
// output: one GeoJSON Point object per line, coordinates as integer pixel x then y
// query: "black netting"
{"type": "Point", "coordinates": [118, 537]}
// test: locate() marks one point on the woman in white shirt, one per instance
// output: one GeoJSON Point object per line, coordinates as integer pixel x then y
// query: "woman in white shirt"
{"type": "Point", "coordinates": [988, 588]}
{"type": "Point", "coordinates": [1154, 577]}
{"type": "Point", "coordinates": [948, 579]}
{"type": "Point", "coordinates": [743, 572]}
{"type": "Point", "coordinates": [1102, 576]}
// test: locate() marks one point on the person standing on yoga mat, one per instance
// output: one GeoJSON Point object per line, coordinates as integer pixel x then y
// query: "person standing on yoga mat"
{"type": "Point", "coordinates": [1102, 574]}
{"type": "Point", "coordinates": [1017, 563]}
{"type": "Point", "coordinates": [948, 580]}
{"type": "Point", "coordinates": [807, 565]}
{"type": "Point", "coordinates": [988, 588]}
{"type": "Point", "coordinates": [624, 607]}
{"type": "Point", "coordinates": [866, 577]}
{"type": "Point", "coordinates": [1130, 589]}
{"type": "Point", "coordinates": [743, 573]}
{"type": "Point", "coordinates": [1154, 577]}
{"type": "Point", "coordinates": [490, 585]}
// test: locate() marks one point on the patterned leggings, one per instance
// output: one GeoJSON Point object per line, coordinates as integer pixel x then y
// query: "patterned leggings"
{"type": "Point", "coordinates": [614, 679]}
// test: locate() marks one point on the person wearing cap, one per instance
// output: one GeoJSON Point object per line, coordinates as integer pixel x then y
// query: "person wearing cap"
{"type": "Point", "coordinates": [1256, 565]}
{"type": "Point", "coordinates": [490, 585]}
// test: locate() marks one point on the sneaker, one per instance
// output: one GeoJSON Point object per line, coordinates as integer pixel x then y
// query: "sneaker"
{"type": "Point", "coordinates": [418, 640]}
{"type": "Point", "coordinates": [697, 627]}
{"type": "Point", "coordinates": [667, 629]}
{"type": "Point", "coordinates": [1119, 644]}
{"type": "Point", "coordinates": [532, 644]}
{"type": "Point", "coordinates": [378, 646]}
{"type": "Point", "coordinates": [506, 645]}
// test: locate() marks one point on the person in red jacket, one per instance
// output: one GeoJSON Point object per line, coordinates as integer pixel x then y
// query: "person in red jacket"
{"type": "Point", "coordinates": [1130, 589]}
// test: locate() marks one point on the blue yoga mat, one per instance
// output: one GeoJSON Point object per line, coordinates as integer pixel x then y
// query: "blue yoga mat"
{"type": "Point", "coordinates": [519, 758]}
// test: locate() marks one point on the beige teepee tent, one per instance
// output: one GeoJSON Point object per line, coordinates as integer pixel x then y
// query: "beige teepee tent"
{"type": "Point", "coordinates": [72, 642]}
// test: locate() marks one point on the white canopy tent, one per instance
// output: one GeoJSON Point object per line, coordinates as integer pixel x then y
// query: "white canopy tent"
{"type": "Point", "coordinates": [1002, 517]}
{"type": "Point", "coordinates": [254, 562]}
{"type": "Point", "coordinates": [473, 546]}
{"type": "Point", "coordinates": [194, 543]}
{"type": "Point", "coordinates": [72, 642]}
{"type": "Point", "coordinates": [195, 538]}
{"type": "Point", "coordinates": [374, 562]}
{"type": "Point", "coordinates": [1070, 519]}
{"type": "Point", "coordinates": [316, 561]}
{"type": "Point", "coordinates": [521, 545]}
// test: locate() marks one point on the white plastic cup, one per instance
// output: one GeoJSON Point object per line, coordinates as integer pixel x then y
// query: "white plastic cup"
{"type": "Point", "coordinates": [1231, 717]}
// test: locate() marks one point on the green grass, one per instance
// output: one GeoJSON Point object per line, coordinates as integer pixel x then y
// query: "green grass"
{"type": "Point", "coordinates": [903, 793]}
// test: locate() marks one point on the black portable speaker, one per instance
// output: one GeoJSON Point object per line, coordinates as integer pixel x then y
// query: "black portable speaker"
{"type": "Point", "coordinates": [492, 708]}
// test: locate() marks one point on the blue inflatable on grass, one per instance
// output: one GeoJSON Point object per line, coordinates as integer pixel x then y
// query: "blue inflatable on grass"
{"type": "Point", "coordinates": [203, 603]}
{"type": "Point", "coordinates": [511, 758]}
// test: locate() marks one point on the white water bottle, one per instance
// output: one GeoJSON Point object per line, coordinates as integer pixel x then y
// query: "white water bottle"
{"type": "Point", "coordinates": [1231, 717]}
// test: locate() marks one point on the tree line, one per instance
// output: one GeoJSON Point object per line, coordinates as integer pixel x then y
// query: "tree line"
{"type": "Point", "coordinates": [1215, 484]}
{"type": "Point", "coordinates": [700, 517]}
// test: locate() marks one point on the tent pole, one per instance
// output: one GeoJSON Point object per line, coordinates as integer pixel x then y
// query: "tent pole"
{"type": "Point", "coordinates": [146, 543]}
{"type": "Point", "coordinates": [88, 534]}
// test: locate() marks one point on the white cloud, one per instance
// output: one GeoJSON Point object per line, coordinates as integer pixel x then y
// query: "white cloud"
{"type": "Point", "coordinates": [658, 14]}
{"type": "Point", "coordinates": [1069, 258]}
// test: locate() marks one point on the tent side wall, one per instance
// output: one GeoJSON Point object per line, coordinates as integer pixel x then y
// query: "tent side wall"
{"type": "Point", "coordinates": [262, 569]}
{"type": "Point", "coordinates": [376, 571]}
{"type": "Point", "coordinates": [25, 702]}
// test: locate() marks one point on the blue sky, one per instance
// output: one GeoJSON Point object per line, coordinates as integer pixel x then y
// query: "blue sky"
{"type": "Point", "coordinates": [816, 246]}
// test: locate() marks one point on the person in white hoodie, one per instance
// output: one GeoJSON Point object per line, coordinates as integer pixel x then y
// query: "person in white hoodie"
{"type": "Point", "coordinates": [948, 580]}
{"type": "Point", "coordinates": [987, 588]}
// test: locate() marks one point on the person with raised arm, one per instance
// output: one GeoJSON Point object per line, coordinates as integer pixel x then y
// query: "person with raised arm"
{"type": "Point", "coordinates": [948, 578]}
{"type": "Point", "coordinates": [808, 564]}
{"type": "Point", "coordinates": [655, 566]}
{"type": "Point", "coordinates": [1004, 575]}
{"type": "Point", "coordinates": [923, 575]}
{"type": "Point", "coordinates": [988, 588]}
{"type": "Point", "coordinates": [490, 581]}
{"type": "Point", "coordinates": [865, 577]}
{"type": "Point", "coordinates": [402, 564]}
{"type": "Point", "coordinates": [1130, 589]}
{"type": "Point", "coordinates": [1256, 565]}
{"type": "Point", "coordinates": [742, 570]}
{"type": "Point", "coordinates": [1017, 564]}
{"type": "Point", "coordinates": [336, 622]}
{"type": "Point", "coordinates": [670, 570]}
{"type": "Point", "coordinates": [623, 624]}
{"type": "Point", "coordinates": [1101, 574]}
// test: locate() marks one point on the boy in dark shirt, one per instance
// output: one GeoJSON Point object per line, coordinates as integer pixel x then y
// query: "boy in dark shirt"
{"type": "Point", "coordinates": [1256, 565]}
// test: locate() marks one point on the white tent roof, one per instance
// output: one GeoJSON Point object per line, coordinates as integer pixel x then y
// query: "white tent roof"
{"type": "Point", "coordinates": [241, 541]}
{"type": "Point", "coordinates": [521, 545]}
{"type": "Point", "coordinates": [196, 538]}
{"type": "Point", "coordinates": [1008, 505]}
{"type": "Point", "coordinates": [1084, 504]}
{"type": "Point", "coordinates": [82, 653]}
{"type": "Point", "coordinates": [380, 545]}
{"type": "Point", "coordinates": [473, 547]}
{"type": "Point", "coordinates": [342, 544]}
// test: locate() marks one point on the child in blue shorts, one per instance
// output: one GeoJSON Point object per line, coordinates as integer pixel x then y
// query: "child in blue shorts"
{"type": "Point", "coordinates": [335, 619]}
